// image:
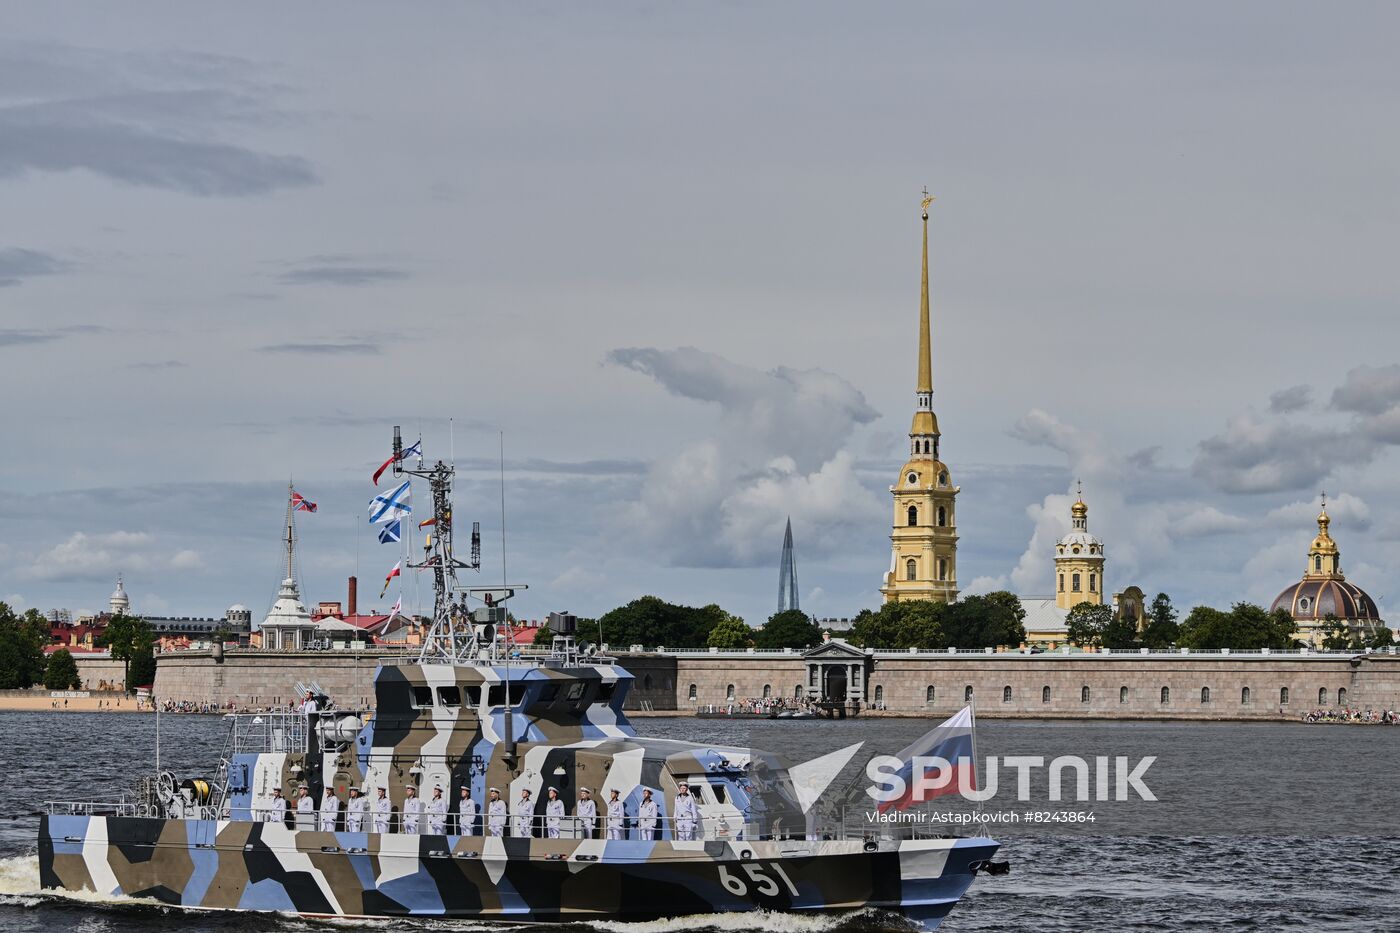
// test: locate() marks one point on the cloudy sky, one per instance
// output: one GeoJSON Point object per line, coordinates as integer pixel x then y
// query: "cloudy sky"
{"type": "Point", "coordinates": [671, 252]}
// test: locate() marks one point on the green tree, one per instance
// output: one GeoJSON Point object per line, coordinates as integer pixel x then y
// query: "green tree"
{"type": "Point", "coordinates": [1246, 627]}
{"type": "Point", "coordinates": [1162, 630]}
{"type": "Point", "coordinates": [62, 671]}
{"type": "Point", "coordinates": [1337, 636]}
{"type": "Point", "coordinates": [917, 623]}
{"type": "Point", "coordinates": [873, 629]}
{"type": "Point", "coordinates": [790, 629]}
{"type": "Point", "coordinates": [126, 637]}
{"type": "Point", "coordinates": [22, 642]}
{"type": "Point", "coordinates": [142, 671]}
{"type": "Point", "coordinates": [1382, 637]}
{"type": "Point", "coordinates": [730, 633]}
{"type": "Point", "coordinates": [650, 620]}
{"type": "Point", "coordinates": [1087, 624]}
{"type": "Point", "coordinates": [1008, 618]}
{"type": "Point", "coordinates": [994, 620]}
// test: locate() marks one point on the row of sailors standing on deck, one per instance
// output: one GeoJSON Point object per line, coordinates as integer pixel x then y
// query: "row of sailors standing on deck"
{"type": "Point", "coordinates": [432, 815]}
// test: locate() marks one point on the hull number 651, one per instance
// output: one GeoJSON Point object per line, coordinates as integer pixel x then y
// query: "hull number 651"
{"type": "Point", "coordinates": [763, 879]}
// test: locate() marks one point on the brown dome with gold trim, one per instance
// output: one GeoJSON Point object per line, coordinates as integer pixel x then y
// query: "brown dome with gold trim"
{"type": "Point", "coordinates": [1314, 600]}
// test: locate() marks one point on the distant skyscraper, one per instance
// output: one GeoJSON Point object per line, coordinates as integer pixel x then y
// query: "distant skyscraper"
{"type": "Point", "coordinates": [787, 575]}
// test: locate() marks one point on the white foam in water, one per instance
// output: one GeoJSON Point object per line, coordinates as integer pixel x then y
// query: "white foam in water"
{"type": "Point", "coordinates": [19, 884]}
{"type": "Point", "coordinates": [764, 921]}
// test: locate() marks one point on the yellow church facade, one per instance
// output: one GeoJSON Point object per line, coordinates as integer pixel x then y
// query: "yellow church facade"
{"type": "Point", "coordinates": [924, 537]}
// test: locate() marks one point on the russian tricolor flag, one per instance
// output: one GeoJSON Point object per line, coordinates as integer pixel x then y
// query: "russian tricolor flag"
{"type": "Point", "coordinates": [951, 742]}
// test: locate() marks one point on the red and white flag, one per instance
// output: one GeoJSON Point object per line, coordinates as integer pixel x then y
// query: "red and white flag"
{"type": "Point", "coordinates": [302, 504]}
{"type": "Point", "coordinates": [392, 574]}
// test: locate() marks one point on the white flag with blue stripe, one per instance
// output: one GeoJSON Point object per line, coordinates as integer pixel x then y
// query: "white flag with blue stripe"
{"type": "Point", "coordinates": [391, 505]}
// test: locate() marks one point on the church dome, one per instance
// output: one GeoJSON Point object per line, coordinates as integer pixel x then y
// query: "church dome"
{"type": "Point", "coordinates": [118, 602]}
{"type": "Point", "coordinates": [1324, 589]}
{"type": "Point", "coordinates": [1314, 600]}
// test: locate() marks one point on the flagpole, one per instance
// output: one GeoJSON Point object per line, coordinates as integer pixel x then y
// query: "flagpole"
{"type": "Point", "coordinates": [972, 709]}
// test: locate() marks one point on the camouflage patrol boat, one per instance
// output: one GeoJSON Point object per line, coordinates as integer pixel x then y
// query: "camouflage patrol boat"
{"type": "Point", "coordinates": [472, 712]}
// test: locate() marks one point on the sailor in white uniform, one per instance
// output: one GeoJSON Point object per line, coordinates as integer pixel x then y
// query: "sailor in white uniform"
{"type": "Point", "coordinates": [330, 810]}
{"type": "Point", "coordinates": [686, 813]}
{"type": "Point", "coordinates": [617, 816]}
{"type": "Point", "coordinates": [276, 811]}
{"type": "Point", "coordinates": [383, 812]}
{"type": "Point", "coordinates": [437, 813]}
{"type": "Point", "coordinates": [646, 816]}
{"type": "Point", "coordinates": [496, 814]}
{"type": "Point", "coordinates": [587, 812]}
{"type": "Point", "coordinates": [355, 812]}
{"type": "Point", "coordinates": [553, 814]}
{"type": "Point", "coordinates": [412, 809]}
{"type": "Point", "coordinates": [306, 809]}
{"type": "Point", "coordinates": [466, 812]}
{"type": "Point", "coordinates": [524, 816]}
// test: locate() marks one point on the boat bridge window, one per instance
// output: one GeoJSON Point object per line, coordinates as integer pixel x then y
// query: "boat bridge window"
{"type": "Point", "coordinates": [719, 792]}
{"type": "Point", "coordinates": [473, 695]}
{"type": "Point", "coordinates": [496, 696]}
{"type": "Point", "coordinates": [606, 691]}
{"type": "Point", "coordinates": [449, 696]}
{"type": "Point", "coordinates": [422, 697]}
{"type": "Point", "coordinates": [550, 693]}
{"type": "Point", "coordinates": [576, 691]}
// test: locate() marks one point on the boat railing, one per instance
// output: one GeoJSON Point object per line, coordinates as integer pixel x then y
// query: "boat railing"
{"type": "Point", "coordinates": [121, 807]}
{"type": "Point", "coordinates": [848, 826]}
{"type": "Point", "coordinates": [257, 733]}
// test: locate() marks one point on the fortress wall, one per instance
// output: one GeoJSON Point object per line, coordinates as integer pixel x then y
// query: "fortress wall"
{"type": "Point", "coordinates": [261, 678]}
{"type": "Point", "coordinates": [905, 686]}
{"type": "Point", "coordinates": [100, 673]}
{"type": "Point", "coordinates": [267, 678]}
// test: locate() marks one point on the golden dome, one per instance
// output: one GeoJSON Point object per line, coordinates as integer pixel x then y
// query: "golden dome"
{"type": "Point", "coordinates": [1079, 509]}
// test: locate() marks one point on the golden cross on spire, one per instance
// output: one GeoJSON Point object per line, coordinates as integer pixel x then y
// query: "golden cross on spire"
{"type": "Point", "coordinates": [928, 199]}
{"type": "Point", "coordinates": [1324, 500]}
{"type": "Point", "coordinates": [1079, 487]}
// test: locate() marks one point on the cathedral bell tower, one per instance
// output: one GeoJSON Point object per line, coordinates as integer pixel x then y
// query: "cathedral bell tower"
{"type": "Point", "coordinates": [1079, 560]}
{"type": "Point", "coordinates": [923, 558]}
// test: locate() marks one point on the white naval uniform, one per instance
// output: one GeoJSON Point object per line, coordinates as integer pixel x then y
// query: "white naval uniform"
{"type": "Point", "coordinates": [306, 813]}
{"type": "Point", "coordinates": [587, 812]}
{"type": "Point", "coordinates": [466, 817]}
{"type": "Point", "coordinates": [553, 813]}
{"type": "Point", "coordinates": [355, 815]}
{"type": "Point", "coordinates": [617, 819]}
{"type": "Point", "coordinates": [437, 816]}
{"type": "Point", "coordinates": [646, 819]}
{"type": "Point", "coordinates": [383, 814]}
{"type": "Point", "coordinates": [330, 810]}
{"type": "Point", "coordinates": [687, 816]}
{"type": "Point", "coordinates": [524, 815]}
{"type": "Point", "coordinates": [412, 813]}
{"type": "Point", "coordinates": [276, 811]}
{"type": "Point", "coordinates": [496, 817]}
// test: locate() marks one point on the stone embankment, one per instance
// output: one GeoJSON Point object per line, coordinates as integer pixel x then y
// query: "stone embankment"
{"type": "Point", "coordinates": [1234, 686]}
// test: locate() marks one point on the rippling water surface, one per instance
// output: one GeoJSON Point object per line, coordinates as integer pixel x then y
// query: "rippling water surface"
{"type": "Point", "coordinates": [1259, 826]}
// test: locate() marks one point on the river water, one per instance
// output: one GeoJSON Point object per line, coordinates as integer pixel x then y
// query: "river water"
{"type": "Point", "coordinates": [1256, 826]}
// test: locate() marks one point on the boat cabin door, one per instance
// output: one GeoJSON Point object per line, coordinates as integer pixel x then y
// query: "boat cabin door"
{"type": "Point", "coordinates": [720, 815]}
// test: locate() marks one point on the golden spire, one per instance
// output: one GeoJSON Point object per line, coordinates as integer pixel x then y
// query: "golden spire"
{"type": "Point", "coordinates": [925, 352]}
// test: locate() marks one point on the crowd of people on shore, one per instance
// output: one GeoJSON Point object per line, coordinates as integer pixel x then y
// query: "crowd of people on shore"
{"type": "Point", "coordinates": [528, 818]}
{"type": "Point", "coordinates": [1379, 717]}
{"type": "Point", "coordinates": [765, 706]}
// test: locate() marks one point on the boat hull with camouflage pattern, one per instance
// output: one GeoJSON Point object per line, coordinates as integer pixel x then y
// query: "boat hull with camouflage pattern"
{"type": "Point", "coordinates": [246, 865]}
